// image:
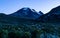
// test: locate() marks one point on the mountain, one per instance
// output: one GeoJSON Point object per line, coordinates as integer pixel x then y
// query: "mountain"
{"type": "Point", "coordinates": [27, 13]}
{"type": "Point", "coordinates": [52, 16]}
{"type": "Point", "coordinates": [22, 16]}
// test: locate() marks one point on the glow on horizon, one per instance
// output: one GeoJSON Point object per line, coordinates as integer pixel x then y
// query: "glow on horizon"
{"type": "Point", "coordinates": [11, 6]}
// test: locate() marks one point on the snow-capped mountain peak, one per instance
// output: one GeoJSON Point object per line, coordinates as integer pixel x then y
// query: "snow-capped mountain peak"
{"type": "Point", "coordinates": [26, 13]}
{"type": "Point", "coordinates": [25, 8]}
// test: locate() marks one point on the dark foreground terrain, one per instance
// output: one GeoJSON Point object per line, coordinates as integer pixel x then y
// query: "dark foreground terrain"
{"type": "Point", "coordinates": [39, 30]}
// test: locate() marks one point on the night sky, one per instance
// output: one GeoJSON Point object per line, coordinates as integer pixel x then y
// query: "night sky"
{"type": "Point", "coordinates": [11, 6]}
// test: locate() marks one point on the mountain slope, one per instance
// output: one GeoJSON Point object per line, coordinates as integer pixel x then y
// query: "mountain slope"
{"type": "Point", "coordinates": [52, 16]}
{"type": "Point", "coordinates": [26, 13]}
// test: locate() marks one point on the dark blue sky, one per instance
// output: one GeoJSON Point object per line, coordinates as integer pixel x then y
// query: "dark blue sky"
{"type": "Point", "coordinates": [10, 6]}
